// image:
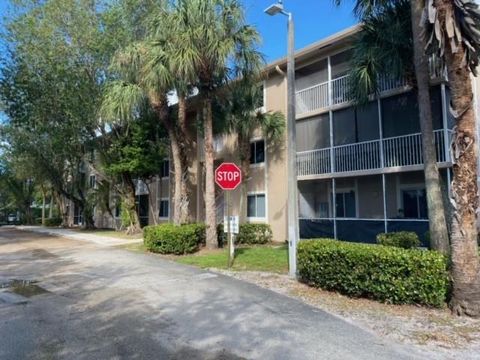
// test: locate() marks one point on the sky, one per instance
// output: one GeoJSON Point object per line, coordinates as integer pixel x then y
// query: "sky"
{"type": "Point", "coordinates": [314, 20]}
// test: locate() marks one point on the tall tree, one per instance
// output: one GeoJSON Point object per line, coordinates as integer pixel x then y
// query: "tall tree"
{"type": "Point", "coordinates": [391, 44]}
{"type": "Point", "coordinates": [51, 81]}
{"type": "Point", "coordinates": [244, 115]}
{"type": "Point", "coordinates": [145, 78]}
{"type": "Point", "coordinates": [453, 33]}
{"type": "Point", "coordinates": [216, 44]}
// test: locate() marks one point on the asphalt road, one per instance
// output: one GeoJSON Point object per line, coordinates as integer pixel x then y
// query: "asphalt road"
{"type": "Point", "coordinates": [109, 303]}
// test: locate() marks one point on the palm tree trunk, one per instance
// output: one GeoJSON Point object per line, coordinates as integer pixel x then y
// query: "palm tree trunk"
{"type": "Point", "coordinates": [464, 250]}
{"type": "Point", "coordinates": [210, 208]}
{"type": "Point", "coordinates": [177, 175]}
{"type": "Point", "coordinates": [184, 214]}
{"type": "Point", "coordinates": [436, 209]}
{"type": "Point", "coordinates": [244, 150]}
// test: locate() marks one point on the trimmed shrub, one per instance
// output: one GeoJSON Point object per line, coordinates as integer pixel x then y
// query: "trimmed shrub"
{"type": "Point", "coordinates": [55, 221]}
{"type": "Point", "coordinates": [254, 234]}
{"type": "Point", "coordinates": [401, 239]}
{"type": "Point", "coordinates": [387, 274]}
{"type": "Point", "coordinates": [171, 239]}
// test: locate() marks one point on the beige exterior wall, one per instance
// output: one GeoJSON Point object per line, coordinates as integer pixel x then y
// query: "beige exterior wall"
{"type": "Point", "coordinates": [276, 164]}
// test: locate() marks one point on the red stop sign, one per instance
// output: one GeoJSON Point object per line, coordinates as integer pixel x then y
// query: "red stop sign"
{"type": "Point", "coordinates": [228, 176]}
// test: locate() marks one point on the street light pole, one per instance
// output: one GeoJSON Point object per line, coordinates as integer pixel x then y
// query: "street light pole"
{"type": "Point", "coordinates": [292, 203]}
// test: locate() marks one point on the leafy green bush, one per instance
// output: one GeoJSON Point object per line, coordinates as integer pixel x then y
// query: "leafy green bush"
{"type": "Point", "coordinates": [401, 239]}
{"type": "Point", "coordinates": [171, 239]}
{"type": "Point", "coordinates": [55, 221]}
{"type": "Point", "coordinates": [378, 272]}
{"type": "Point", "coordinates": [254, 234]}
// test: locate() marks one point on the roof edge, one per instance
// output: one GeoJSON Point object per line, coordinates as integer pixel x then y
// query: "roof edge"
{"type": "Point", "coordinates": [307, 50]}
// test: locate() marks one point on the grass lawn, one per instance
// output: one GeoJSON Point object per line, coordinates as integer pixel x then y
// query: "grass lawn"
{"type": "Point", "coordinates": [257, 258]}
{"type": "Point", "coordinates": [136, 247]}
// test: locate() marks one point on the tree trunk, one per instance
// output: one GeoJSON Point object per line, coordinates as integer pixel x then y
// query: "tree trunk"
{"type": "Point", "coordinates": [177, 175]}
{"type": "Point", "coordinates": [129, 202]}
{"type": "Point", "coordinates": [151, 201]}
{"type": "Point", "coordinates": [184, 214]}
{"type": "Point", "coordinates": [50, 207]}
{"type": "Point", "coordinates": [89, 221]}
{"type": "Point", "coordinates": [180, 167]}
{"type": "Point", "coordinates": [44, 204]}
{"type": "Point", "coordinates": [464, 250]}
{"type": "Point", "coordinates": [210, 208]}
{"type": "Point", "coordinates": [436, 209]}
{"type": "Point", "coordinates": [244, 150]}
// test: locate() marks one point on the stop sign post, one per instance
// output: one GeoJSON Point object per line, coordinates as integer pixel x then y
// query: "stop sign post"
{"type": "Point", "coordinates": [228, 176]}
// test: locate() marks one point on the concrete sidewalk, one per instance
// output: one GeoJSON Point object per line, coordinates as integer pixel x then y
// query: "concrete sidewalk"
{"type": "Point", "coordinates": [75, 235]}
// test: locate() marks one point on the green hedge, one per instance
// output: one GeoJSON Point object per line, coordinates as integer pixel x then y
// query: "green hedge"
{"type": "Point", "coordinates": [378, 272]}
{"type": "Point", "coordinates": [56, 221]}
{"type": "Point", "coordinates": [401, 239]}
{"type": "Point", "coordinates": [171, 239]}
{"type": "Point", "coordinates": [254, 234]}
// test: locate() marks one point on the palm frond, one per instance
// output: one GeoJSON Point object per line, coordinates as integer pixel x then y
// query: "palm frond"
{"type": "Point", "coordinates": [382, 48]}
{"type": "Point", "coordinates": [122, 102]}
{"type": "Point", "coordinates": [461, 27]}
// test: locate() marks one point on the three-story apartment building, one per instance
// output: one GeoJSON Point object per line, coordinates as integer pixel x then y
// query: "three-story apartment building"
{"type": "Point", "coordinates": [360, 169]}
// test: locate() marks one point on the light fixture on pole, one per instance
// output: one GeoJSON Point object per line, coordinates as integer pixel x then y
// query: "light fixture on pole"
{"type": "Point", "coordinates": [292, 206]}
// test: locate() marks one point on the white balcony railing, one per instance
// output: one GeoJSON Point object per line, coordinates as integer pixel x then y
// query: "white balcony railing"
{"type": "Point", "coordinates": [318, 96]}
{"type": "Point", "coordinates": [312, 98]}
{"type": "Point", "coordinates": [359, 156]}
{"type": "Point", "coordinates": [313, 162]}
{"type": "Point", "coordinates": [398, 151]}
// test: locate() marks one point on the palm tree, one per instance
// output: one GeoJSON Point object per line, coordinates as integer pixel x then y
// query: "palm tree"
{"type": "Point", "coordinates": [215, 44]}
{"type": "Point", "coordinates": [453, 32]}
{"type": "Point", "coordinates": [244, 116]}
{"type": "Point", "coordinates": [164, 45]}
{"type": "Point", "coordinates": [135, 91]}
{"type": "Point", "coordinates": [391, 44]}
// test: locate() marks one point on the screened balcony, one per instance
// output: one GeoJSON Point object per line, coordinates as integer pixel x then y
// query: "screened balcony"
{"type": "Point", "coordinates": [358, 208]}
{"type": "Point", "coordinates": [317, 97]}
{"type": "Point", "coordinates": [381, 134]}
{"type": "Point", "coordinates": [326, 82]}
{"type": "Point", "coordinates": [393, 152]}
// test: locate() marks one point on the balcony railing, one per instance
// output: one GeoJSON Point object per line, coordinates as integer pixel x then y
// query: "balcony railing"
{"type": "Point", "coordinates": [396, 151]}
{"type": "Point", "coordinates": [318, 96]}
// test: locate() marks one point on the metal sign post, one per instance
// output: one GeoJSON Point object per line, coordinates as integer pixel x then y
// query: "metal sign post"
{"type": "Point", "coordinates": [228, 176]}
{"type": "Point", "coordinates": [231, 249]}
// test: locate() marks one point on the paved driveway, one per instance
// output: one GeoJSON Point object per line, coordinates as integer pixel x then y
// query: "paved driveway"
{"type": "Point", "coordinates": [108, 303]}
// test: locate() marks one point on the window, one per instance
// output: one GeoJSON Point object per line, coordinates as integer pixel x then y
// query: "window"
{"type": "Point", "coordinates": [257, 152]}
{"type": "Point", "coordinates": [414, 204]}
{"type": "Point", "coordinates": [345, 204]}
{"type": "Point", "coordinates": [256, 206]}
{"type": "Point", "coordinates": [165, 169]}
{"type": "Point", "coordinates": [163, 209]}
{"type": "Point", "coordinates": [117, 211]}
{"type": "Point", "coordinates": [92, 181]}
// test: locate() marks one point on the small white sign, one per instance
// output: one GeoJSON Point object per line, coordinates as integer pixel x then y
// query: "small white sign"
{"type": "Point", "coordinates": [233, 224]}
